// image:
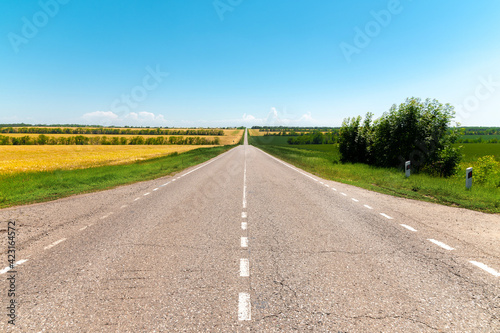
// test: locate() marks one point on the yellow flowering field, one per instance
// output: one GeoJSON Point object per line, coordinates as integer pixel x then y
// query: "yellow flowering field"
{"type": "Point", "coordinates": [41, 158]}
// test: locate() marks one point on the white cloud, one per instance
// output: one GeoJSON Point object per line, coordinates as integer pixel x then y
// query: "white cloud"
{"type": "Point", "coordinates": [279, 118]}
{"type": "Point", "coordinates": [108, 118]}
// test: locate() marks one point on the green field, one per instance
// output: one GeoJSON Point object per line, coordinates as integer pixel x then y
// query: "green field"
{"type": "Point", "coordinates": [324, 161]}
{"type": "Point", "coordinates": [473, 151]}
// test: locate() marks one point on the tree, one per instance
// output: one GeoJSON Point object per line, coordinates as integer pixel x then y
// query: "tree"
{"type": "Point", "coordinates": [416, 131]}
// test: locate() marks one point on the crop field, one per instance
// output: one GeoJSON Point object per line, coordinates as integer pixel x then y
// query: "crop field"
{"type": "Point", "coordinates": [230, 136]}
{"type": "Point", "coordinates": [14, 159]}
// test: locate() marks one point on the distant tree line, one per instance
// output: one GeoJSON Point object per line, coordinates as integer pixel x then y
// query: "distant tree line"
{"type": "Point", "coordinates": [287, 129]}
{"type": "Point", "coordinates": [481, 131]}
{"type": "Point", "coordinates": [416, 131]}
{"type": "Point", "coordinates": [104, 140]}
{"type": "Point", "coordinates": [109, 131]}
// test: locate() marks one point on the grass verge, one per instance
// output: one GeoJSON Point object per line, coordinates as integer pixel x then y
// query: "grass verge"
{"type": "Point", "coordinates": [324, 161]}
{"type": "Point", "coordinates": [32, 187]}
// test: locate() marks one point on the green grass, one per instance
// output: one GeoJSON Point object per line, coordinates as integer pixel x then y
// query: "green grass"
{"type": "Point", "coordinates": [324, 161]}
{"type": "Point", "coordinates": [32, 187]}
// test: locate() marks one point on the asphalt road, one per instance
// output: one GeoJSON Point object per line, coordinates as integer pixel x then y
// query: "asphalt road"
{"type": "Point", "coordinates": [246, 242]}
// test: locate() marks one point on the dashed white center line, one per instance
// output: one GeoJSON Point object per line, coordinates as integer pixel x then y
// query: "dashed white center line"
{"type": "Point", "coordinates": [137, 199]}
{"type": "Point", "coordinates": [355, 200]}
{"type": "Point", "coordinates": [327, 185]}
{"type": "Point", "coordinates": [245, 185]}
{"type": "Point", "coordinates": [106, 216]}
{"type": "Point", "coordinates": [156, 189]}
{"type": "Point", "coordinates": [124, 206]}
{"type": "Point", "coordinates": [244, 307]}
{"type": "Point", "coordinates": [243, 225]}
{"type": "Point", "coordinates": [147, 193]}
{"type": "Point", "coordinates": [334, 189]}
{"type": "Point", "coordinates": [386, 216]}
{"type": "Point", "coordinates": [243, 215]}
{"type": "Point", "coordinates": [441, 244]}
{"type": "Point", "coordinates": [81, 229]}
{"type": "Point", "coordinates": [366, 206]}
{"type": "Point", "coordinates": [244, 268]}
{"type": "Point", "coordinates": [408, 227]}
{"type": "Point", "coordinates": [486, 268]}
{"type": "Point", "coordinates": [8, 268]}
{"type": "Point", "coordinates": [174, 180]}
{"type": "Point", "coordinates": [322, 183]}
{"type": "Point", "coordinates": [244, 242]}
{"type": "Point", "coordinates": [345, 195]}
{"type": "Point", "coordinates": [54, 244]}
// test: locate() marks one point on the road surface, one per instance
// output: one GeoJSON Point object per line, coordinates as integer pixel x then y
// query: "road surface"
{"type": "Point", "coordinates": [245, 242]}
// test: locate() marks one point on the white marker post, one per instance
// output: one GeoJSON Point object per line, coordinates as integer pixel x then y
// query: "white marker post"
{"type": "Point", "coordinates": [468, 178]}
{"type": "Point", "coordinates": [408, 168]}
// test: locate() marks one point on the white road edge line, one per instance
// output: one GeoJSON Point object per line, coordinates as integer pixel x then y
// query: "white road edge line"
{"type": "Point", "coordinates": [485, 267]}
{"type": "Point", "coordinates": [8, 268]}
{"type": "Point", "coordinates": [243, 215]}
{"type": "Point", "coordinates": [386, 216]}
{"type": "Point", "coordinates": [244, 225]}
{"type": "Point", "coordinates": [244, 268]}
{"type": "Point", "coordinates": [244, 242]}
{"type": "Point", "coordinates": [156, 189]}
{"type": "Point", "coordinates": [147, 193]}
{"type": "Point", "coordinates": [54, 244]}
{"type": "Point", "coordinates": [408, 227]}
{"type": "Point", "coordinates": [366, 206]}
{"type": "Point", "coordinates": [441, 244]}
{"type": "Point", "coordinates": [244, 307]}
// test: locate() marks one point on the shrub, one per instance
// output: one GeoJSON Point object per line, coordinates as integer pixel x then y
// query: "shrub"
{"type": "Point", "coordinates": [416, 131]}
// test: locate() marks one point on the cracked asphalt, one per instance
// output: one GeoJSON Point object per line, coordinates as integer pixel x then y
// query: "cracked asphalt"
{"type": "Point", "coordinates": [124, 260]}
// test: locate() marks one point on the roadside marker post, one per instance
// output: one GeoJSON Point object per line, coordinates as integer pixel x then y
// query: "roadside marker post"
{"type": "Point", "coordinates": [468, 178]}
{"type": "Point", "coordinates": [408, 168]}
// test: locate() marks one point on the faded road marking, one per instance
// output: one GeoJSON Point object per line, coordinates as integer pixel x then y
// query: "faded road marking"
{"type": "Point", "coordinates": [244, 268]}
{"type": "Point", "coordinates": [408, 227]}
{"type": "Point", "coordinates": [244, 307]}
{"type": "Point", "coordinates": [486, 268]}
{"type": "Point", "coordinates": [8, 268]}
{"type": "Point", "coordinates": [54, 244]}
{"type": "Point", "coordinates": [244, 242]}
{"type": "Point", "coordinates": [441, 244]}
{"type": "Point", "coordinates": [386, 216]}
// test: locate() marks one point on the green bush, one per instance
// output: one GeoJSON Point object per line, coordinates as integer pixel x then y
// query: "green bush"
{"type": "Point", "coordinates": [487, 171]}
{"type": "Point", "coordinates": [416, 131]}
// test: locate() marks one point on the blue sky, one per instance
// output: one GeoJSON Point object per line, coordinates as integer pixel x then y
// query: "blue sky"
{"type": "Point", "coordinates": [241, 62]}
